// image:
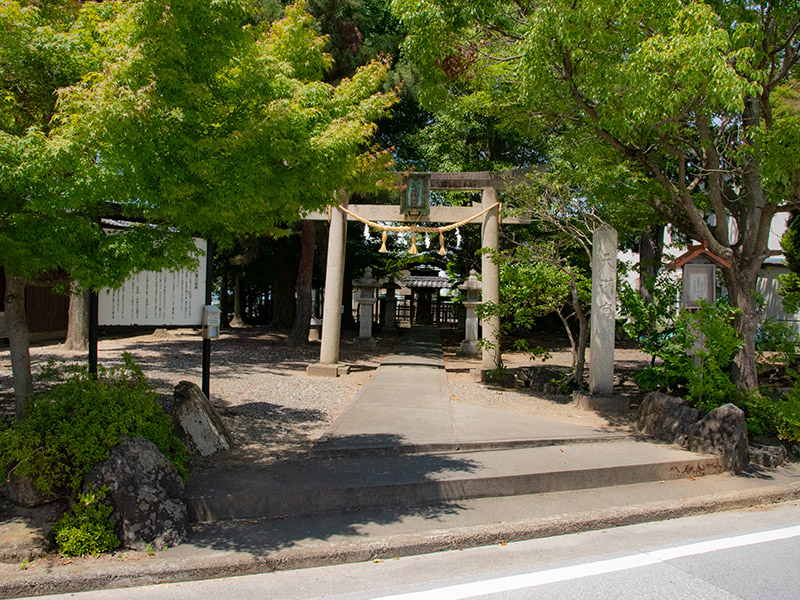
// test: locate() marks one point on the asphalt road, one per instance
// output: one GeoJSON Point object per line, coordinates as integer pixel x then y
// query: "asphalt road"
{"type": "Point", "coordinates": [751, 554]}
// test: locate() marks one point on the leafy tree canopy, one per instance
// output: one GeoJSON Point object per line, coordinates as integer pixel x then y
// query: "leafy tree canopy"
{"type": "Point", "coordinates": [662, 84]}
{"type": "Point", "coordinates": [200, 117]}
{"type": "Point", "coordinates": [47, 211]}
{"type": "Point", "coordinates": [221, 124]}
{"type": "Point", "coordinates": [676, 102]}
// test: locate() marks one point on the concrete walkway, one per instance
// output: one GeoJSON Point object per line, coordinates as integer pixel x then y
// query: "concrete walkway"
{"type": "Point", "coordinates": [405, 407]}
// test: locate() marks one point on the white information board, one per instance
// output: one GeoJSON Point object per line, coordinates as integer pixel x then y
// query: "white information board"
{"type": "Point", "coordinates": [157, 298]}
{"type": "Point", "coordinates": [699, 283]}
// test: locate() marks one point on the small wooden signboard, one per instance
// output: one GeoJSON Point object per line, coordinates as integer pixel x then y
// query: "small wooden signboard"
{"type": "Point", "coordinates": [699, 267]}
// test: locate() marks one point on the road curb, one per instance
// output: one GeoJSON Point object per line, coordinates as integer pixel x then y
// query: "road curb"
{"type": "Point", "coordinates": [166, 568]}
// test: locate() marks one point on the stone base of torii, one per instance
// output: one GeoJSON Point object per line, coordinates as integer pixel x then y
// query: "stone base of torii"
{"type": "Point", "coordinates": [488, 183]}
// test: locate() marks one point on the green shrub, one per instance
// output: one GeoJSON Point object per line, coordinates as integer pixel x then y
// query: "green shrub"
{"type": "Point", "coordinates": [787, 416]}
{"type": "Point", "coordinates": [88, 529]}
{"type": "Point", "coordinates": [776, 336]}
{"type": "Point", "coordinates": [651, 324]}
{"type": "Point", "coordinates": [707, 385]}
{"type": "Point", "coordinates": [70, 428]}
{"type": "Point", "coordinates": [780, 417]}
{"type": "Point", "coordinates": [761, 413]}
{"type": "Point", "coordinates": [781, 342]}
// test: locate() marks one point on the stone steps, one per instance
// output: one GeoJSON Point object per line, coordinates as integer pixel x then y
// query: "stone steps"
{"type": "Point", "coordinates": [317, 486]}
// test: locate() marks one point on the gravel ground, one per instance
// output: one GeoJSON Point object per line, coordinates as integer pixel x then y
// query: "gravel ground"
{"type": "Point", "coordinates": [527, 401]}
{"type": "Point", "coordinates": [274, 411]}
{"type": "Point", "coordinates": [257, 383]}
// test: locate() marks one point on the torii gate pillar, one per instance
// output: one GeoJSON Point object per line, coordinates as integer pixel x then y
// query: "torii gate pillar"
{"type": "Point", "coordinates": [490, 272]}
{"type": "Point", "coordinates": [328, 365]}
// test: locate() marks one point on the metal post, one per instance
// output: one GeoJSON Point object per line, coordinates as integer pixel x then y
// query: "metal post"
{"type": "Point", "coordinates": [207, 343]}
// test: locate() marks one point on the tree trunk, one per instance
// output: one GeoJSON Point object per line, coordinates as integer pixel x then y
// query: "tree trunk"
{"type": "Point", "coordinates": [237, 303]}
{"type": "Point", "coordinates": [573, 346]}
{"type": "Point", "coordinates": [285, 280]}
{"type": "Point", "coordinates": [223, 300]}
{"type": "Point", "coordinates": [18, 339]}
{"type": "Point", "coordinates": [78, 324]}
{"type": "Point", "coordinates": [583, 336]}
{"type": "Point", "coordinates": [651, 245]}
{"type": "Point", "coordinates": [744, 370]}
{"type": "Point", "coordinates": [583, 331]}
{"type": "Point", "coordinates": [305, 272]}
{"type": "Point", "coordinates": [749, 257]}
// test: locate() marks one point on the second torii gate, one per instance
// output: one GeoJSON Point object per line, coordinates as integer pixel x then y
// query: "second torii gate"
{"type": "Point", "coordinates": [488, 183]}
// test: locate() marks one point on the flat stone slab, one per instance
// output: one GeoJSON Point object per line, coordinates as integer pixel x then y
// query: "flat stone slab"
{"type": "Point", "coordinates": [323, 370]}
{"type": "Point", "coordinates": [475, 424]}
{"type": "Point", "coordinates": [21, 541]}
{"type": "Point", "coordinates": [600, 402]}
{"type": "Point", "coordinates": [405, 400]}
{"type": "Point", "coordinates": [261, 545]}
{"type": "Point", "coordinates": [25, 532]}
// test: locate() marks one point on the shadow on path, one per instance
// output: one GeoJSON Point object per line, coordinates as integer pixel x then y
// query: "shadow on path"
{"type": "Point", "coordinates": [325, 499]}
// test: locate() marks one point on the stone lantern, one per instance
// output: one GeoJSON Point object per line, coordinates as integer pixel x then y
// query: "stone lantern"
{"type": "Point", "coordinates": [472, 289]}
{"type": "Point", "coordinates": [366, 303]}
{"type": "Point", "coordinates": [390, 303]}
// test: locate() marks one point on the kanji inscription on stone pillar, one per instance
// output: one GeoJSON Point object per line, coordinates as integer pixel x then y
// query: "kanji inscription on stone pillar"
{"type": "Point", "coordinates": [604, 295]}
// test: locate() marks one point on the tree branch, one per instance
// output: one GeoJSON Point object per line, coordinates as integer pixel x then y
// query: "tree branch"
{"type": "Point", "coordinates": [789, 60]}
{"type": "Point", "coordinates": [711, 167]}
{"type": "Point", "coordinates": [680, 197]}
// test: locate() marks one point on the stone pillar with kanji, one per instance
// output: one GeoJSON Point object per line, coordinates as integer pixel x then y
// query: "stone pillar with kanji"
{"type": "Point", "coordinates": [604, 306]}
{"type": "Point", "coordinates": [603, 321]}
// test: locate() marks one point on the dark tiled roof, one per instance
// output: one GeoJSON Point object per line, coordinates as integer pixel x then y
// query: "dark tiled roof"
{"type": "Point", "coordinates": [426, 281]}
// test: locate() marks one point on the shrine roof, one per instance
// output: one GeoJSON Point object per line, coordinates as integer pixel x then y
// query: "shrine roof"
{"type": "Point", "coordinates": [694, 252]}
{"type": "Point", "coordinates": [426, 281]}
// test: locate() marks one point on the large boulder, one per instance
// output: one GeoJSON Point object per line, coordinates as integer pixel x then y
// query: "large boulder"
{"type": "Point", "coordinates": [666, 418]}
{"type": "Point", "coordinates": [768, 456]}
{"type": "Point", "coordinates": [146, 492]}
{"type": "Point", "coordinates": [22, 491]}
{"type": "Point", "coordinates": [197, 422]}
{"type": "Point", "coordinates": [723, 431]}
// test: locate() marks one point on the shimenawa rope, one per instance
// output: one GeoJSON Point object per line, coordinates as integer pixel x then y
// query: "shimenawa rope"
{"type": "Point", "coordinates": [414, 228]}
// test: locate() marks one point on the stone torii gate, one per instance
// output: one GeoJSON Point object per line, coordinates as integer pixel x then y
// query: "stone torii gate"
{"type": "Point", "coordinates": [488, 183]}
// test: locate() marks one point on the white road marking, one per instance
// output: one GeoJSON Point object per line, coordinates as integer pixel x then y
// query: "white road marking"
{"type": "Point", "coordinates": [634, 561]}
{"type": "Point", "coordinates": [727, 543]}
